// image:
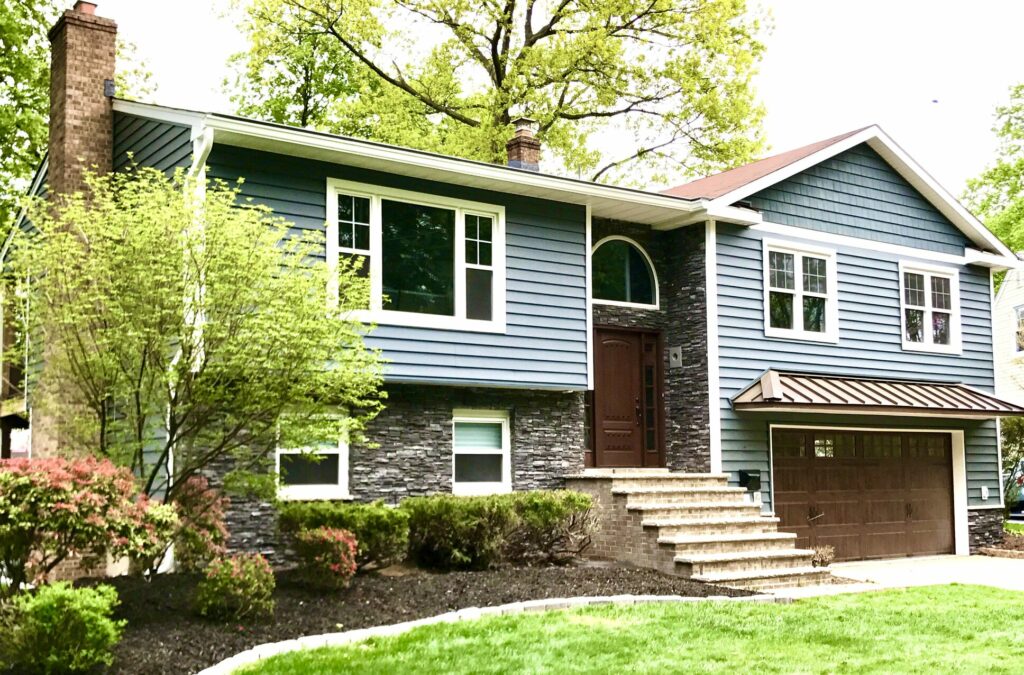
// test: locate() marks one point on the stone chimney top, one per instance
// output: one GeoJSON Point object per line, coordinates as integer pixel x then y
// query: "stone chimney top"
{"type": "Point", "coordinates": [524, 148]}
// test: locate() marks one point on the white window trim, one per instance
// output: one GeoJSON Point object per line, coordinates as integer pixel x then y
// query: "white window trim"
{"type": "Point", "coordinates": [799, 250]}
{"type": "Point", "coordinates": [955, 337]}
{"type": "Point", "coordinates": [322, 491]}
{"type": "Point", "coordinates": [377, 314]}
{"type": "Point", "coordinates": [484, 488]}
{"type": "Point", "coordinates": [650, 264]}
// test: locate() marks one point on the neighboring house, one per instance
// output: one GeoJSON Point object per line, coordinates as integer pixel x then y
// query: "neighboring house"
{"type": "Point", "coordinates": [816, 325]}
{"type": "Point", "coordinates": [1008, 338]}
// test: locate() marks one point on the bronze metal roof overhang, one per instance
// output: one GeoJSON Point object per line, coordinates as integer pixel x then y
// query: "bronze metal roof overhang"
{"type": "Point", "coordinates": [777, 391]}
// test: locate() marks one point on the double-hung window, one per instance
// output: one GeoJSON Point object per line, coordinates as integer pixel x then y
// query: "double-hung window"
{"type": "Point", "coordinates": [314, 471]}
{"type": "Point", "coordinates": [1018, 334]}
{"type": "Point", "coordinates": [432, 261]}
{"type": "Point", "coordinates": [930, 308]}
{"type": "Point", "coordinates": [800, 293]}
{"type": "Point", "coordinates": [481, 456]}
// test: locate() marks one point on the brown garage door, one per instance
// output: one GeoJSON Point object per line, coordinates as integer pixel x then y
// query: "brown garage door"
{"type": "Point", "coordinates": [868, 494]}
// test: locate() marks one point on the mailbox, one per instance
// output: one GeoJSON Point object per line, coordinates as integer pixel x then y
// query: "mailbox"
{"type": "Point", "coordinates": [751, 480]}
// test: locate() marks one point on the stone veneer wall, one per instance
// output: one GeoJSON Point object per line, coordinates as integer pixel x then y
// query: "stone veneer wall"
{"type": "Point", "coordinates": [413, 435]}
{"type": "Point", "coordinates": [678, 257]}
{"type": "Point", "coordinates": [985, 527]}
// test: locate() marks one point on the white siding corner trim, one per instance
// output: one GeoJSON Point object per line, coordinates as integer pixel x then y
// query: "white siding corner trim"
{"type": "Point", "coordinates": [714, 387]}
{"type": "Point", "coordinates": [589, 276]}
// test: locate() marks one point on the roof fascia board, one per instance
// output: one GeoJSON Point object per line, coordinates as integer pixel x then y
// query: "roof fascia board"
{"type": "Point", "coordinates": [399, 156]}
{"type": "Point", "coordinates": [904, 164]}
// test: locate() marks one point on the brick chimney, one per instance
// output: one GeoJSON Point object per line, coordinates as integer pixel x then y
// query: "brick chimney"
{"type": "Point", "coordinates": [81, 80]}
{"type": "Point", "coordinates": [81, 137]}
{"type": "Point", "coordinates": [524, 148]}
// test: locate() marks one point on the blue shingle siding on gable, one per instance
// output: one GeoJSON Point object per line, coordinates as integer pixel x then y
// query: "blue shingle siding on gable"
{"type": "Point", "coordinates": [151, 143]}
{"type": "Point", "coordinates": [856, 193]}
{"type": "Point", "coordinates": [869, 345]}
{"type": "Point", "coordinates": [545, 343]}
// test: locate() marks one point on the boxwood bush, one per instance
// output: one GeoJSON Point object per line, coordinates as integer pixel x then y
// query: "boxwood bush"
{"type": "Point", "coordinates": [448, 532]}
{"type": "Point", "coordinates": [551, 526]}
{"type": "Point", "coordinates": [382, 532]}
{"type": "Point", "coordinates": [452, 533]}
{"type": "Point", "coordinates": [59, 629]}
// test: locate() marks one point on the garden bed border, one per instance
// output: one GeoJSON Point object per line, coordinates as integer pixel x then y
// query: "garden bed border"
{"type": "Point", "coordinates": [267, 650]}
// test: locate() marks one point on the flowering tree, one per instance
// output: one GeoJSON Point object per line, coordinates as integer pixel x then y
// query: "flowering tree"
{"type": "Point", "coordinates": [170, 324]}
{"type": "Point", "coordinates": [53, 508]}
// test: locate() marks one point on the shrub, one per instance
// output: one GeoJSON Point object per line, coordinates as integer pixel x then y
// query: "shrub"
{"type": "Point", "coordinates": [448, 532]}
{"type": "Point", "coordinates": [154, 535]}
{"type": "Point", "coordinates": [236, 588]}
{"type": "Point", "coordinates": [59, 629]}
{"type": "Point", "coordinates": [327, 555]}
{"type": "Point", "coordinates": [202, 533]}
{"type": "Point", "coordinates": [552, 526]}
{"type": "Point", "coordinates": [53, 508]}
{"type": "Point", "coordinates": [381, 531]}
{"type": "Point", "coordinates": [823, 556]}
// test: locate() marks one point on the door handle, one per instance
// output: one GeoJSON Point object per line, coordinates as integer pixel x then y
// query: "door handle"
{"type": "Point", "coordinates": [812, 516]}
{"type": "Point", "coordinates": [910, 510]}
{"type": "Point", "coordinates": [638, 411]}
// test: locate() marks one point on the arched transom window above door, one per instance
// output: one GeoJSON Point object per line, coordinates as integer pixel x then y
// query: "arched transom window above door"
{"type": "Point", "coordinates": [622, 274]}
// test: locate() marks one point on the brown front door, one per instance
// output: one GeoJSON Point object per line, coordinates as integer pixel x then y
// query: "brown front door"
{"type": "Point", "coordinates": [868, 494]}
{"type": "Point", "coordinates": [627, 398]}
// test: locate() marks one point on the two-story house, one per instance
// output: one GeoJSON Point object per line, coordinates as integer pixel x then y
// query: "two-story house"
{"type": "Point", "coordinates": [803, 343]}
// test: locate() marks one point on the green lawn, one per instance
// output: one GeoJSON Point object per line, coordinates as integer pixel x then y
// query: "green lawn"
{"type": "Point", "coordinates": [1014, 528]}
{"type": "Point", "coordinates": [941, 629]}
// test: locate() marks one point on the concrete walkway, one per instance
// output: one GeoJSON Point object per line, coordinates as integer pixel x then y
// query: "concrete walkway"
{"type": "Point", "coordinates": [878, 575]}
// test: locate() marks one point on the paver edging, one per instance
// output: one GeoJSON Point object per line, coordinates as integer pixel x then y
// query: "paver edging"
{"type": "Point", "coordinates": [266, 650]}
{"type": "Point", "coordinates": [1001, 552]}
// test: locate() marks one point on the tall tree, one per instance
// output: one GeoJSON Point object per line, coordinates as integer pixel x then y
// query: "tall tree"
{"type": "Point", "coordinates": [997, 195]}
{"type": "Point", "coordinates": [24, 96]}
{"type": "Point", "coordinates": [202, 327]}
{"type": "Point", "coordinates": [671, 76]}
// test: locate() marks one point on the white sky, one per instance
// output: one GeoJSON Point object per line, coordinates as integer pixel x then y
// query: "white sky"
{"type": "Point", "coordinates": [930, 73]}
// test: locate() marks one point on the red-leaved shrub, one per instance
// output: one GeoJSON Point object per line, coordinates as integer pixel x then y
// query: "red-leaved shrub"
{"type": "Point", "coordinates": [53, 508]}
{"type": "Point", "coordinates": [327, 556]}
{"type": "Point", "coordinates": [201, 532]}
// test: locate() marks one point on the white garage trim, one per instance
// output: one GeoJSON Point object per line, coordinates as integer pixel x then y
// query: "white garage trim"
{"type": "Point", "coordinates": [961, 535]}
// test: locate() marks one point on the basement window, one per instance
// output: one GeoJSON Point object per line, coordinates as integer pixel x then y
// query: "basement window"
{"type": "Point", "coordinates": [481, 452]}
{"type": "Point", "coordinates": [317, 471]}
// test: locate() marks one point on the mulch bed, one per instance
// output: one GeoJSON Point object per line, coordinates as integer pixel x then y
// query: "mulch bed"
{"type": "Point", "coordinates": [164, 636]}
{"type": "Point", "coordinates": [1012, 542]}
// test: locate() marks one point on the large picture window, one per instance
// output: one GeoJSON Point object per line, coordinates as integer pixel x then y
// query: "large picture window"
{"type": "Point", "coordinates": [432, 261]}
{"type": "Point", "coordinates": [929, 308]}
{"type": "Point", "coordinates": [800, 293]}
{"type": "Point", "coordinates": [622, 274]}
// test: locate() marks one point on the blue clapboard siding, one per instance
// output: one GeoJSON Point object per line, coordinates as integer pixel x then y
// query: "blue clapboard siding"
{"type": "Point", "coordinates": [151, 143]}
{"type": "Point", "coordinates": [545, 343]}
{"type": "Point", "coordinates": [858, 194]}
{"type": "Point", "coordinates": [869, 345]}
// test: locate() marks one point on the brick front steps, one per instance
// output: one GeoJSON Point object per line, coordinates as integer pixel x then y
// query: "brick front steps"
{"type": "Point", "coordinates": [693, 526]}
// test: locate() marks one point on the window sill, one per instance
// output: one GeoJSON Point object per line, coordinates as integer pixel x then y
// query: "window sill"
{"type": "Point", "coordinates": [313, 492]}
{"type": "Point", "coordinates": [437, 321]}
{"type": "Point", "coordinates": [800, 336]}
{"type": "Point", "coordinates": [954, 350]}
{"type": "Point", "coordinates": [480, 489]}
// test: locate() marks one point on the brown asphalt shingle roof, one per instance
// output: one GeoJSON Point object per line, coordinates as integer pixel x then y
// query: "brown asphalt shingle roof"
{"type": "Point", "coordinates": [719, 184]}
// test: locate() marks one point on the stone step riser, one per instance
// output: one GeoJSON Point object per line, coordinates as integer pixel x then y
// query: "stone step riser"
{"type": "Point", "coordinates": [696, 548]}
{"type": "Point", "coordinates": [667, 482]}
{"type": "Point", "coordinates": [716, 512]}
{"type": "Point", "coordinates": [698, 528]}
{"type": "Point", "coordinates": [726, 498]}
{"type": "Point", "coordinates": [744, 565]}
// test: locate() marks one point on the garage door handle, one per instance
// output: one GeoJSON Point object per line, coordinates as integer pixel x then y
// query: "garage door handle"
{"type": "Point", "coordinates": [910, 510]}
{"type": "Point", "coordinates": [811, 516]}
